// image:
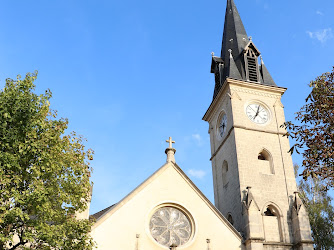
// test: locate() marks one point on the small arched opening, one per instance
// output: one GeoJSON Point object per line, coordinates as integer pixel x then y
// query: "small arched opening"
{"type": "Point", "coordinates": [272, 224]}
{"type": "Point", "coordinates": [225, 173]}
{"type": "Point", "coordinates": [230, 219]}
{"type": "Point", "coordinates": [265, 162]}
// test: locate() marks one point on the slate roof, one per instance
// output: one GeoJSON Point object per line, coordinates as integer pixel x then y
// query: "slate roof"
{"type": "Point", "coordinates": [102, 212]}
{"type": "Point", "coordinates": [235, 38]}
{"type": "Point", "coordinates": [266, 78]}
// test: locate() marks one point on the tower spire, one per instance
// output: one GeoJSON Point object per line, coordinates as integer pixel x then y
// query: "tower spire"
{"type": "Point", "coordinates": [243, 64]}
{"type": "Point", "coordinates": [234, 36]}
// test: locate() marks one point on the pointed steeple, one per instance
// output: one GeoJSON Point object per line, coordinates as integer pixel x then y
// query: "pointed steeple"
{"type": "Point", "coordinates": [242, 62]}
{"type": "Point", "coordinates": [234, 36]}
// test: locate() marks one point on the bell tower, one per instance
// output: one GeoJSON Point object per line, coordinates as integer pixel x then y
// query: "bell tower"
{"type": "Point", "coordinates": [253, 176]}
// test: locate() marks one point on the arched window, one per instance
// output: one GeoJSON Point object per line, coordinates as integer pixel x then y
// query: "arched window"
{"type": "Point", "coordinates": [265, 162]}
{"type": "Point", "coordinates": [225, 173]}
{"type": "Point", "coordinates": [272, 224]}
{"type": "Point", "coordinates": [230, 219]}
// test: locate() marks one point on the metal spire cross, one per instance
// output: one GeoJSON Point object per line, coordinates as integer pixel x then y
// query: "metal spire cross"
{"type": "Point", "coordinates": [170, 142]}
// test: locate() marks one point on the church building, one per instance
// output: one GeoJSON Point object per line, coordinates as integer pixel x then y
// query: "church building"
{"type": "Point", "coordinates": [255, 192]}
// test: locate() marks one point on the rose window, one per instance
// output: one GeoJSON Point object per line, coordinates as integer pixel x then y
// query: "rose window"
{"type": "Point", "coordinates": [170, 225]}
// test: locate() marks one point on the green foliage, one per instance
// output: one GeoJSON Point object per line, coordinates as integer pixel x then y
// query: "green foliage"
{"type": "Point", "coordinates": [44, 173]}
{"type": "Point", "coordinates": [320, 210]}
{"type": "Point", "coordinates": [315, 135]}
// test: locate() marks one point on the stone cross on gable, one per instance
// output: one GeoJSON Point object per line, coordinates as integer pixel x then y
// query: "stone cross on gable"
{"type": "Point", "coordinates": [170, 141]}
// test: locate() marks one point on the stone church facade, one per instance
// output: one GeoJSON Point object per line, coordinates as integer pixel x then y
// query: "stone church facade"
{"type": "Point", "coordinates": [256, 201]}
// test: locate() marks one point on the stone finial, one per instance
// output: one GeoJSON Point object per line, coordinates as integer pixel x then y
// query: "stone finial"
{"type": "Point", "coordinates": [208, 243]}
{"type": "Point", "coordinates": [261, 60]}
{"type": "Point", "coordinates": [249, 198]}
{"type": "Point", "coordinates": [173, 246]}
{"type": "Point", "coordinates": [212, 54]}
{"type": "Point", "coordinates": [137, 241]}
{"type": "Point", "coordinates": [170, 151]}
{"type": "Point", "coordinates": [250, 38]}
{"type": "Point", "coordinates": [298, 203]}
{"type": "Point", "coordinates": [230, 53]}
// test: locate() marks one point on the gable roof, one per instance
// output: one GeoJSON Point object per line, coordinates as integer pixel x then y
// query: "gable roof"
{"type": "Point", "coordinates": [106, 213]}
{"type": "Point", "coordinates": [252, 46]}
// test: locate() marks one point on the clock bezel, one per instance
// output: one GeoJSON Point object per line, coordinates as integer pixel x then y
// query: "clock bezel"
{"type": "Point", "coordinates": [265, 106]}
{"type": "Point", "coordinates": [220, 117]}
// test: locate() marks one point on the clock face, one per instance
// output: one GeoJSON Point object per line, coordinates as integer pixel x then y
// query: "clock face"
{"type": "Point", "coordinates": [257, 113]}
{"type": "Point", "coordinates": [222, 125]}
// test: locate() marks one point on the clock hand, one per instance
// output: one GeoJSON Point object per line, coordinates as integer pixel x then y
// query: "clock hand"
{"type": "Point", "coordinates": [252, 108]}
{"type": "Point", "coordinates": [257, 111]}
{"type": "Point", "coordinates": [253, 111]}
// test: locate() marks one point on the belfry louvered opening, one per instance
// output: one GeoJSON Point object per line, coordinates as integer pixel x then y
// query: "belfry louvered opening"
{"type": "Point", "coordinates": [251, 66]}
{"type": "Point", "coordinates": [252, 71]}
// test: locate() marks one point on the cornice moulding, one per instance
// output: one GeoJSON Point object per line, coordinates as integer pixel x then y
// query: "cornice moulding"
{"type": "Point", "coordinates": [248, 87]}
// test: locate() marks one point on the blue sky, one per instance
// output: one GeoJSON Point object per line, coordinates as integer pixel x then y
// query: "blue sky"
{"type": "Point", "coordinates": [129, 74]}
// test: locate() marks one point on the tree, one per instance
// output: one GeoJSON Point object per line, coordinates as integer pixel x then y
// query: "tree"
{"type": "Point", "coordinates": [44, 173]}
{"type": "Point", "coordinates": [315, 135]}
{"type": "Point", "coordinates": [320, 210]}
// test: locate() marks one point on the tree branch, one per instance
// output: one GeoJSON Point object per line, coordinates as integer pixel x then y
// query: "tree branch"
{"type": "Point", "coordinates": [17, 245]}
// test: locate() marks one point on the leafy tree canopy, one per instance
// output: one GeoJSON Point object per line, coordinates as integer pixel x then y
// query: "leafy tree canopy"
{"type": "Point", "coordinates": [320, 210]}
{"type": "Point", "coordinates": [44, 173]}
{"type": "Point", "coordinates": [315, 134]}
